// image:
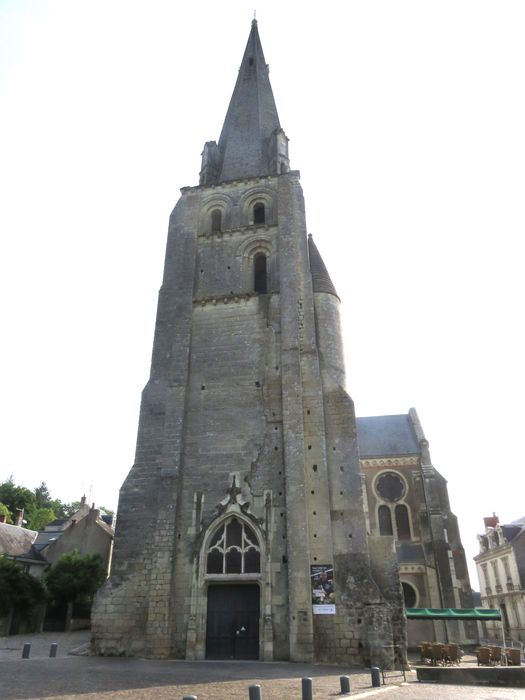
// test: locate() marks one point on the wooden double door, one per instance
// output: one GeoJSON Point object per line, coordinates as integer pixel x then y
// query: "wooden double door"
{"type": "Point", "coordinates": [232, 630]}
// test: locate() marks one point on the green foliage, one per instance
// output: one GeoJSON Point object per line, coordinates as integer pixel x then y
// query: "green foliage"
{"type": "Point", "coordinates": [40, 518]}
{"type": "Point", "coordinates": [4, 510]}
{"type": "Point", "coordinates": [74, 578]}
{"type": "Point", "coordinates": [42, 496]}
{"type": "Point", "coordinates": [70, 509]}
{"type": "Point", "coordinates": [20, 590]}
{"type": "Point", "coordinates": [17, 497]}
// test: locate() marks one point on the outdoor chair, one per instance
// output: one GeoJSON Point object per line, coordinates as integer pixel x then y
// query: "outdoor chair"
{"type": "Point", "coordinates": [483, 654]}
{"type": "Point", "coordinates": [425, 649]}
{"type": "Point", "coordinates": [437, 654]}
{"type": "Point", "coordinates": [495, 655]}
{"type": "Point", "coordinates": [453, 654]}
{"type": "Point", "coordinates": [513, 657]}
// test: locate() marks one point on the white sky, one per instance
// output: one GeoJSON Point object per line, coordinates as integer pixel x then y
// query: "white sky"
{"type": "Point", "coordinates": [406, 120]}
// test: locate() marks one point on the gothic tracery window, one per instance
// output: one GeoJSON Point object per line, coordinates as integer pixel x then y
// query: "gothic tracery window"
{"type": "Point", "coordinates": [390, 486]}
{"type": "Point", "coordinates": [234, 549]}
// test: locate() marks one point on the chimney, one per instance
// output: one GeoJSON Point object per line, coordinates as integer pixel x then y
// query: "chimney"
{"type": "Point", "coordinates": [83, 500]}
{"type": "Point", "coordinates": [19, 517]}
{"type": "Point", "coordinates": [492, 521]}
{"type": "Point", "coordinates": [3, 518]}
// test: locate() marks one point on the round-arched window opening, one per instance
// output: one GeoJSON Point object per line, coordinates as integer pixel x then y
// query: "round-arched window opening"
{"type": "Point", "coordinates": [390, 486]}
{"type": "Point", "coordinates": [409, 595]}
{"type": "Point", "coordinates": [259, 213]}
{"type": "Point", "coordinates": [260, 274]}
{"type": "Point", "coordinates": [216, 221]}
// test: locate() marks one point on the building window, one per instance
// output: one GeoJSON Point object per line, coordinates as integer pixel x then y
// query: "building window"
{"type": "Point", "coordinates": [402, 523]}
{"type": "Point", "coordinates": [409, 595]}
{"type": "Point", "coordinates": [385, 520]}
{"type": "Point", "coordinates": [390, 486]}
{"type": "Point", "coordinates": [259, 213]}
{"type": "Point", "coordinates": [234, 549]}
{"type": "Point", "coordinates": [485, 575]}
{"type": "Point", "coordinates": [260, 276]}
{"type": "Point", "coordinates": [216, 221]}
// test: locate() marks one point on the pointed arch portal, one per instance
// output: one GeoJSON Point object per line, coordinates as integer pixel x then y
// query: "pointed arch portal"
{"type": "Point", "coordinates": [232, 560]}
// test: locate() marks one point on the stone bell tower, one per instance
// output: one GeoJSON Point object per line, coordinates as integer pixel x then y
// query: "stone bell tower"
{"type": "Point", "coordinates": [241, 526]}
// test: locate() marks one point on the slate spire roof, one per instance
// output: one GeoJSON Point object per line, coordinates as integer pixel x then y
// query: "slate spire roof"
{"type": "Point", "coordinates": [251, 118]}
{"type": "Point", "coordinates": [321, 281]}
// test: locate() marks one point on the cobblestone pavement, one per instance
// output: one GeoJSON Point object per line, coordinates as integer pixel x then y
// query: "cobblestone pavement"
{"type": "Point", "coordinates": [67, 677]}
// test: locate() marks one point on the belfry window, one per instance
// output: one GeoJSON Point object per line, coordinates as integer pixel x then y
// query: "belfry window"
{"type": "Point", "coordinates": [216, 221]}
{"type": "Point", "coordinates": [260, 274]}
{"type": "Point", "coordinates": [259, 213]}
{"type": "Point", "coordinates": [234, 549]}
{"type": "Point", "coordinates": [385, 520]}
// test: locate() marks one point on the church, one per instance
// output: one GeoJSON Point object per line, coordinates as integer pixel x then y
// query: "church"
{"type": "Point", "coordinates": [244, 527]}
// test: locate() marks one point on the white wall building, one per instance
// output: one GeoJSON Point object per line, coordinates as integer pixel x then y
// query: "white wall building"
{"type": "Point", "coordinates": [501, 573]}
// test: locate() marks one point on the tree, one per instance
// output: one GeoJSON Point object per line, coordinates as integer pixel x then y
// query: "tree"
{"type": "Point", "coordinates": [42, 496]}
{"type": "Point", "coordinates": [20, 590]}
{"type": "Point", "coordinates": [74, 579]}
{"type": "Point", "coordinates": [4, 510]}
{"type": "Point", "coordinates": [40, 518]}
{"type": "Point", "coordinates": [17, 498]}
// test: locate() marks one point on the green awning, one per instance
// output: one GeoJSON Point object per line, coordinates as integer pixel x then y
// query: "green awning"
{"type": "Point", "coordinates": [453, 614]}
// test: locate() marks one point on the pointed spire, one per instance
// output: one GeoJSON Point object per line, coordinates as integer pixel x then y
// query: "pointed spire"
{"type": "Point", "coordinates": [321, 281]}
{"type": "Point", "coordinates": [252, 141]}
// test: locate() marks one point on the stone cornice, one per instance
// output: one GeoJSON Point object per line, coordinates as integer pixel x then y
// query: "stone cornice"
{"type": "Point", "coordinates": [390, 462]}
{"type": "Point", "coordinates": [241, 230]}
{"type": "Point", "coordinates": [225, 299]}
{"type": "Point", "coordinates": [226, 184]}
{"type": "Point", "coordinates": [494, 553]}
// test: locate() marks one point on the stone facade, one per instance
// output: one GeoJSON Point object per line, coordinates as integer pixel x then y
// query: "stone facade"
{"type": "Point", "coordinates": [247, 471]}
{"type": "Point", "coordinates": [407, 498]}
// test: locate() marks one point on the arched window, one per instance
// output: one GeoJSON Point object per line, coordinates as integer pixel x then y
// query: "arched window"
{"type": "Point", "coordinates": [260, 275]}
{"type": "Point", "coordinates": [409, 595]}
{"type": "Point", "coordinates": [234, 549]}
{"type": "Point", "coordinates": [402, 523]}
{"type": "Point", "coordinates": [259, 214]}
{"type": "Point", "coordinates": [216, 221]}
{"type": "Point", "coordinates": [385, 521]}
{"type": "Point", "coordinates": [390, 486]}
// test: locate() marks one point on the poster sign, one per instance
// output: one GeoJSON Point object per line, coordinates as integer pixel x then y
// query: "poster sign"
{"type": "Point", "coordinates": [323, 595]}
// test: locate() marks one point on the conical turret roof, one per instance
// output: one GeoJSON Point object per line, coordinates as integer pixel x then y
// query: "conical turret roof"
{"type": "Point", "coordinates": [251, 118]}
{"type": "Point", "coordinates": [321, 281]}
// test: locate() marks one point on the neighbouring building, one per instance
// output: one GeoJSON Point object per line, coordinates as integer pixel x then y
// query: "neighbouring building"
{"type": "Point", "coordinates": [17, 542]}
{"type": "Point", "coordinates": [501, 572]}
{"type": "Point", "coordinates": [407, 498]}
{"type": "Point", "coordinates": [241, 527]}
{"type": "Point", "coordinates": [88, 531]}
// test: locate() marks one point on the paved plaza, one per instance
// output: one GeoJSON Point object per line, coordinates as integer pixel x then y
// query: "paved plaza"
{"type": "Point", "coordinates": [87, 677]}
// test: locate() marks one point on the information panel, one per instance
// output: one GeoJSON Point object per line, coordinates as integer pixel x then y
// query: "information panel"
{"type": "Point", "coordinates": [323, 595]}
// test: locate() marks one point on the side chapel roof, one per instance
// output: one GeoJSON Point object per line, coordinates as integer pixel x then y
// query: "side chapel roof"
{"type": "Point", "coordinates": [382, 436]}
